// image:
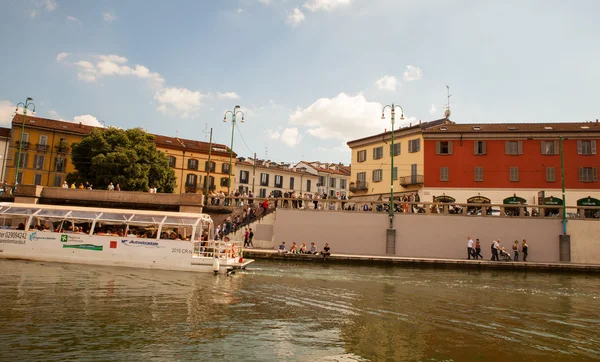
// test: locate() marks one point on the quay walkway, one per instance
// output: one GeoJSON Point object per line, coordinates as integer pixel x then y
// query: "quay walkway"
{"type": "Point", "coordinates": [423, 262]}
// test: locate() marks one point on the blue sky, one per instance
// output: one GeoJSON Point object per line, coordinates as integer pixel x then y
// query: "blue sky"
{"type": "Point", "coordinates": [309, 74]}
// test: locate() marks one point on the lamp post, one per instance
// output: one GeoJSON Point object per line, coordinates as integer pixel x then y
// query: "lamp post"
{"type": "Point", "coordinates": [393, 109]}
{"type": "Point", "coordinates": [234, 113]}
{"type": "Point", "coordinates": [28, 102]}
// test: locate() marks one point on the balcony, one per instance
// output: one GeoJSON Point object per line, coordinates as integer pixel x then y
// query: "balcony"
{"type": "Point", "coordinates": [23, 144]}
{"type": "Point", "coordinates": [406, 181]}
{"type": "Point", "coordinates": [42, 147]}
{"type": "Point", "coordinates": [190, 189]}
{"type": "Point", "coordinates": [359, 186]}
{"type": "Point", "coordinates": [62, 148]}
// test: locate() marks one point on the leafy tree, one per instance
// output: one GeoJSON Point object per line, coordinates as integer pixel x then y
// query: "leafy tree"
{"type": "Point", "coordinates": [125, 157]}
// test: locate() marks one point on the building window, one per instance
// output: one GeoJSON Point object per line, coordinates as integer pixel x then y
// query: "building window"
{"type": "Point", "coordinates": [38, 162]}
{"type": "Point", "coordinates": [377, 175]}
{"type": "Point", "coordinates": [361, 179]}
{"type": "Point", "coordinates": [378, 153]}
{"type": "Point", "coordinates": [414, 145]}
{"type": "Point", "coordinates": [58, 180]}
{"type": "Point", "coordinates": [586, 147]}
{"type": "Point", "coordinates": [210, 167]}
{"type": "Point", "coordinates": [23, 160]}
{"type": "Point", "coordinates": [514, 174]}
{"type": "Point", "coordinates": [62, 145]}
{"type": "Point", "coordinates": [224, 181]}
{"type": "Point", "coordinates": [443, 173]}
{"type": "Point", "coordinates": [549, 147]}
{"type": "Point", "coordinates": [37, 179]}
{"type": "Point", "coordinates": [308, 185]}
{"type": "Point", "coordinates": [19, 177]}
{"type": "Point", "coordinates": [43, 145]}
{"type": "Point", "coordinates": [191, 180]}
{"type": "Point", "coordinates": [332, 182]}
{"type": "Point", "coordinates": [588, 174]}
{"type": "Point", "coordinates": [26, 138]}
{"type": "Point", "coordinates": [550, 174]}
{"type": "Point", "coordinates": [192, 164]}
{"type": "Point", "coordinates": [262, 193]}
{"type": "Point", "coordinates": [343, 183]}
{"type": "Point", "coordinates": [480, 148]}
{"type": "Point", "coordinates": [210, 180]}
{"type": "Point", "coordinates": [225, 168]}
{"type": "Point", "coordinates": [361, 156]}
{"type": "Point", "coordinates": [443, 147]}
{"type": "Point", "coordinates": [244, 176]}
{"type": "Point", "coordinates": [331, 193]}
{"type": "Point", "coordinates": [172, 161]}
{"type": "Point", "coordinates": [278, 181]}
{"type": "Point", "coordinates": [479, 174]}
{"type": "Point", "coordinates": [395, 173]}
{"type": "Point", "coordinates": [513, 147]}
{"type": "Point", "coordinates": [60, 164]}
{"type": "Point", "coordinates": [396, 149]}
{"type": "Point", "coordinates": [264, 179]}
{"type": "Point", "coordinates": [291, 183]}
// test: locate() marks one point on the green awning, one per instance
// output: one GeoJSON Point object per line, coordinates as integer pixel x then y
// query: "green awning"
{"type": "Point", "coordinates": [514, 200]}
{"type": "Point", "coordinates": [444, 198]}
{"type": "Point", "coordinates": [478, 200]}
{"type": "Point", "coordinates": [553, 201]}
{"type": "Point", "coordinates": [588, 201]}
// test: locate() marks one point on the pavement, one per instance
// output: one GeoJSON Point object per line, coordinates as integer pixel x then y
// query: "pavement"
{"type": "Point", "coordinates": [431, 262]}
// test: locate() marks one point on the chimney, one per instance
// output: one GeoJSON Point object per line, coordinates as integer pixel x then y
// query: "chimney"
{"type": "Point", "coordinates": [419, 121]}
{"type": "Point", "coordinates": [410, 124]}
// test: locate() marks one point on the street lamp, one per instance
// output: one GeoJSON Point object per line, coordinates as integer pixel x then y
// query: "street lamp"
{"type": "Point", "coordinates": [393, 109]}
{"type": "Point", "coordinates": [28, 102]}
{"type": "Point", "coordinates": [234, 113]}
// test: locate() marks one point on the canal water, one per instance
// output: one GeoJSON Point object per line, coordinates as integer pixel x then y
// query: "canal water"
{"type": "Point", "coordinates": [295, 312]}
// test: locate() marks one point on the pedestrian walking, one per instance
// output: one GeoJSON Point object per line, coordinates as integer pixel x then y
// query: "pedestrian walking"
{"type": "Point", "coordinates": [495, 248]}
{"type": "Point", "coordinates": [516, 250]}
{"type": "Point", "coordinates": [524, 249]}
{"type": "Point", "coordinates": [478, 249]}
{"type": "Point", "coordinates": [470, 252]}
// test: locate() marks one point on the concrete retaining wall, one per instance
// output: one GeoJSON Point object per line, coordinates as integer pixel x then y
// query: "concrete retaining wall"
{"type": "Point", "coordinates": [585, 241]}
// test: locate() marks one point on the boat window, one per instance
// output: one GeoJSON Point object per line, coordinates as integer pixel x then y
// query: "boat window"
{"type": "Point", "coordinates": [174, 220]}
{"type": "Point", "coordinates": [13, 222]}
{"type": "Point", "coordinates": [79, 214]}
{"type": "Point", "coordinates": [52, 212]}
{"type": "Point", "coordinates": [146, 219]}
{"type": "Point", "coordinates": [20, 210]}
{"type": "Point", "coordinates": [116, 217]}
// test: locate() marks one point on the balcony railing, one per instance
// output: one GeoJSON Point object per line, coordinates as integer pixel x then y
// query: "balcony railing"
{"type": "Point", "coordinates": [358, 186]}
{"type": "Point", "coordinates": [42, 147]}
{"type": "Point", "coordinates": [411, 180]}
{"type": "Point", "coordinates": [62, 148]}
{"type": "Point", "coordinates": [190, 189]}
{"type": "Point", "coordinates": [23, 144]}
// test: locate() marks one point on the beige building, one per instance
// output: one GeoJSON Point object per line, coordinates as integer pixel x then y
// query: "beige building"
{"type": "Point", "coordinates": [372, 162]}
{"type": "Point", "coordinates": [334, 178]}
{"type": "Point", "coordinates": [265, 177]}
{"type": "Point", "coordinates": [4, 144]}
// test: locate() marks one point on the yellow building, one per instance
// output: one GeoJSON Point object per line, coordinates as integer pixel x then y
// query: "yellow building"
{"type": "Point", "coordinates": [46, 155]}
{"type": "Point", "coordinates": [372, 162]}
{"type": "Point", "coordinates": [189, 160]}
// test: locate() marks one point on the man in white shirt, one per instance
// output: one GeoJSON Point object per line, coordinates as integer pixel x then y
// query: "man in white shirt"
{"type": "Point", "coordinates": [470, 243]}
{"type": "Point", "coordinates": [495, 247]}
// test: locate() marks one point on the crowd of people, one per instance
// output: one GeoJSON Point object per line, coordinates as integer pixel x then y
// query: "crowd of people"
{"type": "Point", "coordinates": [303, 249]}
{"type": "Point", "coordinates": [498, 252]}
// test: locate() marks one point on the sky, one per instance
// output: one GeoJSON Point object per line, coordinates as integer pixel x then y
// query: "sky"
{"type": "Point", "coordinates": [309, 75]}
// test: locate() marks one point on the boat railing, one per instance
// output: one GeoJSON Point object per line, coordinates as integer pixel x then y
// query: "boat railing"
{"type": "Point", "coordinates": [217, 249]}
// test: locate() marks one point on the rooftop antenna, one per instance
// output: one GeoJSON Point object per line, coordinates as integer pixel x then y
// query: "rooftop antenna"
{"type": "Point", "coordinates": [205, 131]}
{"type": "Point", "coordinates": [266, 153]}
{"type": "Point", "coordinates": [447, 113]}
{"type": "Point", "coordinates": [176, 134]}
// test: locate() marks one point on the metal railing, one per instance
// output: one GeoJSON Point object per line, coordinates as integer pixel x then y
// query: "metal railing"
{"type": "Point", "coordinates": [221, 249]}
{"type": "Point", "coordinates": [358, 186]}
{"type": "Point", "coordinates": [42, 147]}
{"type": "Point", "coordinates": [411, 180]}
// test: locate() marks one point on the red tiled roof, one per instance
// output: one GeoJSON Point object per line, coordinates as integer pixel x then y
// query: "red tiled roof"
{"type": "Point", "coordinates": [423, 126]}
{"type": "Point", "coordinates": [52, 124]}
{"type": "Point", "coordinates": [515, 127]}
{"type": "Point", "coordinates": [247, 163]}
{"type": "Point", "coordinates": [4, 132]}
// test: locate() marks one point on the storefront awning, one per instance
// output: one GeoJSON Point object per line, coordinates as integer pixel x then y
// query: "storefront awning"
{"type": "Point", "coordinates": [478, 200]}
{"type": "Point", "coordinates": [514, 200]}
{"type": "Point", "coordinates": [588, 201]}
{"type": "Point", "coordinates": [444, 198]}
{"type": "Point", "coordinates": [553, 201]}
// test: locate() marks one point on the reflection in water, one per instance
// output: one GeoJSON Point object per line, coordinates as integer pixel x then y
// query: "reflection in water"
{"type": "Point", "coordinates": [282, 311]}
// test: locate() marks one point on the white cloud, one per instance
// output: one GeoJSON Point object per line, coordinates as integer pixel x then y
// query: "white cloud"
{"type": "Point", "coordinates": [87, 71]}
{"type": "Point", "coordinates": [109, 17]}
{"type": "Point", "coordinates": [239, 10]}
{"type": "Point", "coordinates": [295, 17]}
{"type": "Point", "coordinates": [326, 5]}
{"type": "Point", "coordinates": [50, 5]}
{"type": "Point", "coordinates": [289, 136]}
{"type": "Point", "coordinates": [265, 2]}
{"type": "Point", "coordinates": [54, 114]}
{"type": "Point", "coordinates": [412, 73]}
{"type": "Point", "coordinates": [227, 95]}
{"type": "Point", "coordinates": [115, 65]}
{"type": "Point", "coordinates": [33, 13]}
{"type": "Point", "coordinates": [61, 56]}
{"type": "Point", "coordinates": [342, 117]}
{"type": "Point", "coordinates": [73, 19]}
{"type": "Point", "coordinates": [387, 82]}
{"type": "Point", "coordinates": [432, 109]}
{"type": "Point", "coordinates": [178, 100]}
{"type": "Point", "coordinates": [88, 120]}
{"type": "Point", "coordinates": [7, 111]}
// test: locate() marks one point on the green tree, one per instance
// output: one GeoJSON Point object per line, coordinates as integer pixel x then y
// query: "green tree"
{"type": "Point", "coordinates": [125, 157]}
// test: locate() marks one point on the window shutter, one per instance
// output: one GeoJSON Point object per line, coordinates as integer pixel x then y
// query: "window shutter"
{"type": "Point", "coordinates": [595, 174]}
{"type": "Point", "coordinates": [437, 147]}
{"type": "Point", "coordinates": [593, 142]}
{"type": "Point", "coordinates": [449, 147]}
{"type": "Point", "coordinates": [579, 150]}
{"type": "Point", "coordinates": [543, 146]}
{"type": "Point", "coordinates": [410, 146]}
{"type": "Point", "coordinates": [507, 147]}
{"type": "Point", "coordinates": [374, 153]}
{"type": "Point", "coordinates": [475, 147]}
{"type": "Point", "coordinates": [483, 147]}
{"type": "Point", "coordinates": [399, 148]}
{"type": "Point", "coordinates": [520, 147]}
{"type": "Point", "coordinates": [580, 171]}
{"type": "Point", "coordinates": [556, 148]}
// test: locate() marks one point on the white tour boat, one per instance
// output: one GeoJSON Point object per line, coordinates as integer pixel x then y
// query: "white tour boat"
{"type": "Point", "coordinates": [130, 238]}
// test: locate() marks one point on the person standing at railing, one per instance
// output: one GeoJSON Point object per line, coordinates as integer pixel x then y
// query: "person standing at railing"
{"type": "Point", "coordinates": [315, 201]}
{"type": "Point", "coordinates": [525, 250]}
